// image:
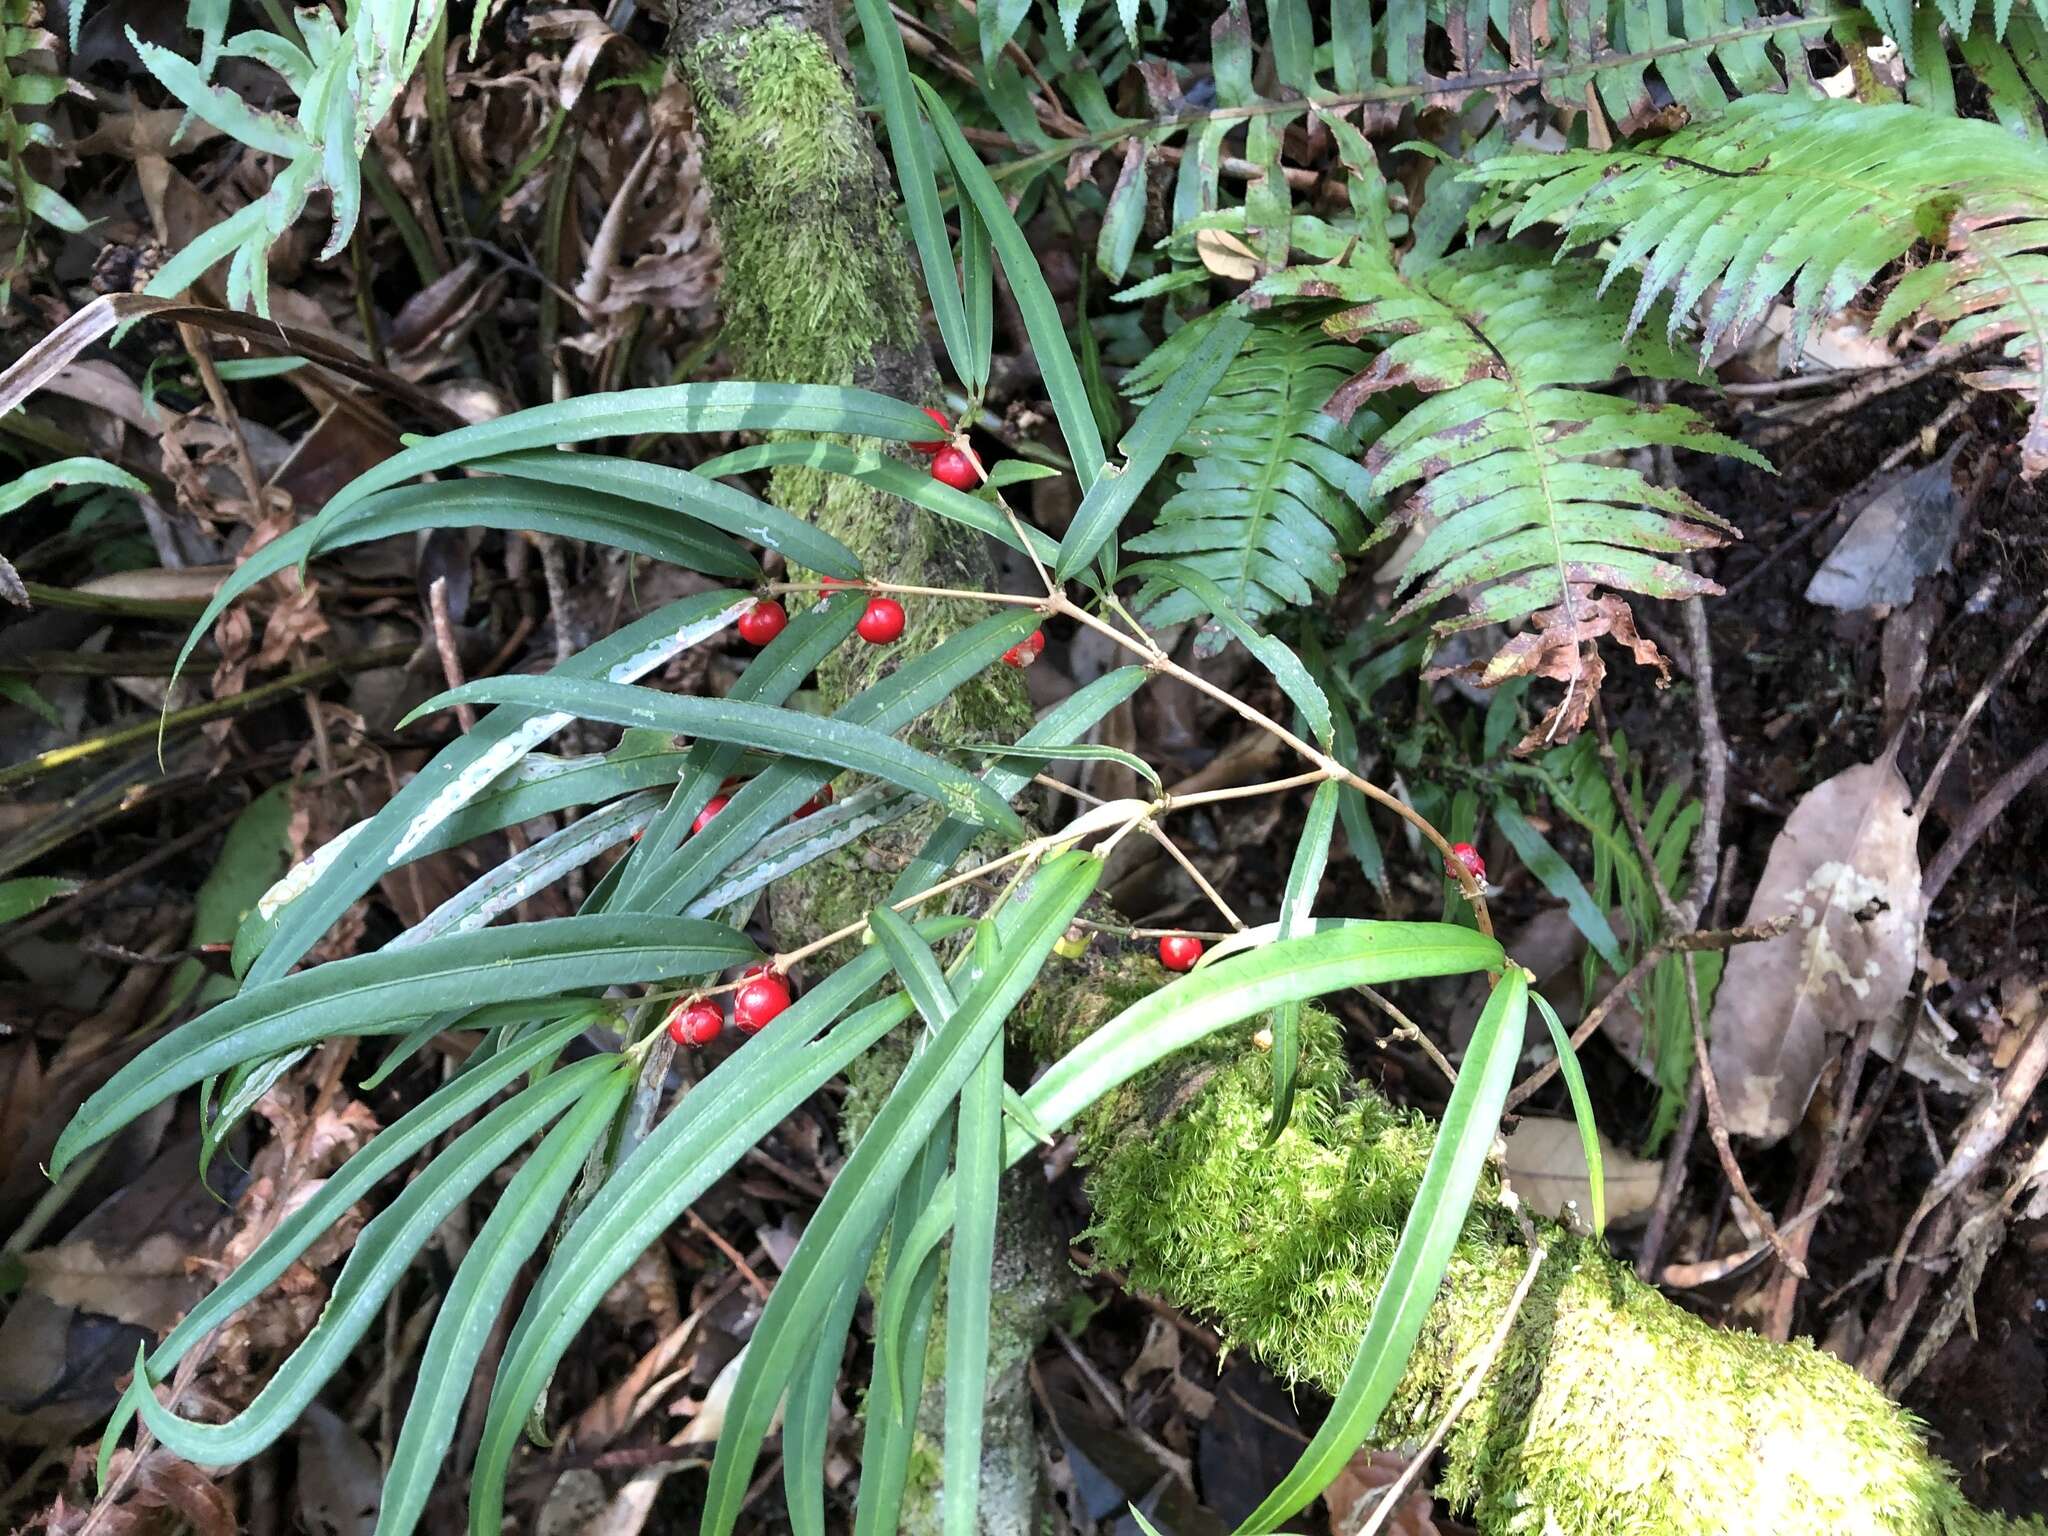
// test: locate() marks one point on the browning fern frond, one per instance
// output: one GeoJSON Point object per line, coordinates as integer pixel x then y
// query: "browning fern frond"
{"type": "Point", "coordinates": [1524, 498]}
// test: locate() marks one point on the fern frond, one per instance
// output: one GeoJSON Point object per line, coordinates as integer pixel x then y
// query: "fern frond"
{"type": "Point", "coordinates": [27, 82]}
{"type": "Point", "coordinates": [1525, 505]}
{"type": "Point", "coordinates": [1271, 500]}
{"type": "Point", "coordinates": [1819, 197]}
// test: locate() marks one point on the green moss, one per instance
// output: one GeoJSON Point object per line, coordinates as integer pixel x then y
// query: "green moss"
{"type": "Point", "coordinates": [1611, 1412]}
{"type": "Point", "coordinates": [786, 154]}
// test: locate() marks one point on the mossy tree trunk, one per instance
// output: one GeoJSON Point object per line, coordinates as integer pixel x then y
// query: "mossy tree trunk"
{"type": "Point", "coordinates": [1612, 1411]}
{"type": "Point", "coordinates": [818, 289]}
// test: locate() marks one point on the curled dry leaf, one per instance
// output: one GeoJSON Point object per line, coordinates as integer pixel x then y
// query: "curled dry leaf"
{"type": "Point", "coordinates": [1847, 867]}
{"type": "Point", "coordinates": [1561, 648]}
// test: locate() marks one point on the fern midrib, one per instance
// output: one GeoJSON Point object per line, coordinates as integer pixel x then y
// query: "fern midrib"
{"type": "Point", "coordinates": [1275, 457]}
{"type": "Point", "coordinates": [2037, 324]}
{"type": "Point", "coordinates": [1540, 451]}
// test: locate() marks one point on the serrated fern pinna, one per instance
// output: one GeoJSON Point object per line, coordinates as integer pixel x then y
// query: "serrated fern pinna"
{"type": "Point", "coordinates": [1271, 498]}
{"type": "Point", "coordinates": [1521, 494]}
{"type": "Point", "coordinates": [1819, 197]}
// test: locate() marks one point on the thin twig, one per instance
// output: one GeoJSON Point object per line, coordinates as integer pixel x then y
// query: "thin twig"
{"type": "Point", "coordinates": [444, 644]}
{"type": "Point", "coordinates": [1193, 873]}
{"type": "Point", "coordinates": [1475, 1377]}
{"type": "Point", "coordinates": [1670, 1182]}
{"type": "Point", "coordinates": [1957, 737]}
{"type": "Point", "coordinates": [1982, 814]}
{"type": "Point", "coordinates": [1406, 1028]}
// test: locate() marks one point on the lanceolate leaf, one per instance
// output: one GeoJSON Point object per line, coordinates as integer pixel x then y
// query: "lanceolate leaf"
{"type": "Point", "coordinates": [380, 1255]}
{"type": "Point", "coordinates": [671, 1168]}
{"type": "Point", "coordinates": [857, 1204]}
{"type": "Point", "coordinates": [765, 801]}
{"type": "Point", "coordinates": [518, 1222]}
{"type": "Point", "coordinates": [774, 730]}
{"type": "Point", "coordinates": [567, 512]}
{"type": "Point", "coordinates": [909, 482]}
{"type": "Point", "coordinates": [1073, 716]}
{"type": "Point", "coordinates": [462, 771]}
{"type": "Point", "coordinates": [908, 147]}
{"type": "Point", "coordinates": [482, 1076]}
{"type": "Point", "coordinates": [1304, 879]}
{"type": "Point", "coordinates": [770, 678]}
{"type": "Point", "coordinates": [383, 993]}
{"type": "Point", "coordinates": [1151, 438]}
{"type": "Point", "coordinates": [732, 406]}
{"type": "Point", "coordinates": [1346, 953]}
{"type": "Point", "coordinates": [1582, 1109]}
{"type": "Point", "coordinates": [1034, 300]}
{"type": "Point", "coordinates": [751, 1091]}
{"type": "Point", "coordinates": [1293, 678]}
{"type": "Point", "coordinates": [693, 493]}
{"type": "Point", "coordinates": [1435, 1219]}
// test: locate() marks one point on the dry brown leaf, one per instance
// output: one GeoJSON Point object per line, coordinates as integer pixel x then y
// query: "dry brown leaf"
{"type": "Point", "coordinates": [1847, 867]}
{"type": "Point", "coordinates": [1352, 1498]}
{"type": "Point", "coordinates": [1226, 255]}
{"type": "Point", "coordinates": [1547, 1168]}
{"type": "Point", "coordinates": [146, 1284]}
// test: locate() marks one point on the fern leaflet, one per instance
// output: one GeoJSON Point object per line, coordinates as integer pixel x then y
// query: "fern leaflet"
{"type": "Point", "coordinates": [1819, 196]}
{"type": "Point", "coordinates": [1525, 506]}
{"type": "Point", "coordinates": [1272, 499]}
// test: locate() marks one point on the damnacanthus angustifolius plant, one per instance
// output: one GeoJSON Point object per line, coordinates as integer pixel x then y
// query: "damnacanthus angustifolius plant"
{"type": "Point", "coordinates": [1537, 509]}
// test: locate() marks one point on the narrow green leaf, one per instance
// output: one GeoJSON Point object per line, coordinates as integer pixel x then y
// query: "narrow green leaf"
{"type": "Point", "coordinates": [891, 1427]}
{"type": "Point", "coordinates": [464, 769]}
{"type": "Point", "coordinates": [495, 503]}
{"type": "Point", "coordinates": [379, 1256]}
{"type": "Point", "coordinates": [1073, 716]}
{"type": "Point", "coordinates": [1561, 880]}
{"type": "Point", "coordinates": [1582, 1109]}
{"type": "Point", "coordinates": [31, 483]}
{"type": "Point", "coordinates": [31, 893]}
{"type": "Point", "coordinates": [1042, 322]}
{"type": "Point", "coordinates": [703, 1137]}
{"type": "Point", "coordinates": [1437, 1216]}
{"type": "Point", "coordinates": [770, 678]}
{"type": "Point", "coordinates": [1304, 879]}
{"type": "Point", "coordinates": [766, 800]}
{"type": "Point", "coordinates": [693, 493]}
{"type": "Point", "coordinates": [855, 1206]}
{"type": "Point", "coordinates": [753, 725]}
{"type": "Point", "coordinates": [727, 406]}
{"type": "Point", "coordinates": [906, 482]}
{"type": "Point", "coordinates": [1077, 752]}
{"type": "Point", "coordinates": [915, 964]}
{"type": "Point", "coordinates": [806, 1417]}
{"type": "Point", "coordinates": [1151, 438]}
{"type": "Point", "coordinates": [979, 1162]}
{"type": "Point", "coordinates": [518, 1222]}
{"type": "Point", "coordinates": [481, 1077]}
{"type": "Point", "coordinates": [915, 183]}
{"type": "Point", "coordinates": [1343, 953]}
{"type": "Point", "coordinates": [386, 992]}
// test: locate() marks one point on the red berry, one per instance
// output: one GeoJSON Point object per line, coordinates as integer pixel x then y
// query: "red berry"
{"type": "Point", "coordinates": [1468, 856]}
{"type": "Point", "coordinates": [932, 445]}
{"type": "Point", "coordinates": [1025, 651]}
{"type": "Point", "coordinates": [762, 622]}
{"type": "Point", "coordinates": [697, 1024]}
{"type": "Point", "coordinates": [1179, 951]}
{"type": "Point", "coordinates": [716, 804]}
{"type": "Point", "coordinates": [882, 622]}
{"type": "Point", "coordinates": [759, 1001]}
{"type": "Point", "coordinates": [815, 804]}
{"type": "Point", "coordinates": [952, 467]}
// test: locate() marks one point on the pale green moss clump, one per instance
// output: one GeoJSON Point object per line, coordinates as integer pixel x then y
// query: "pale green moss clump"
{"type": "Point", "coordinates": [786, 154]}
{"type": "Point", "coordinates": [1611, 1413]}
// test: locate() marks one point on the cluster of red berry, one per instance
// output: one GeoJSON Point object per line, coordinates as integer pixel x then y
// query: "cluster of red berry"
{"type": "Point", "coordinates": [762, 995]}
